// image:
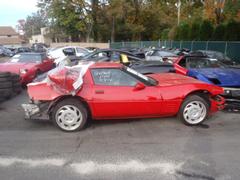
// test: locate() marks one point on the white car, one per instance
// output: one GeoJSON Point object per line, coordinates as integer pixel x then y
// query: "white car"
{"type": "Point", "coordinates": [61, 53]}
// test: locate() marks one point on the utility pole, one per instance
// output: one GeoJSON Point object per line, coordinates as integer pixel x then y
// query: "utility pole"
{"type": "Point", "coordinates": [178, 5]}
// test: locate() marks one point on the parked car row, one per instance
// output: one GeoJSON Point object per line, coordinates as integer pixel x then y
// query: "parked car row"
{"type": "Point", "coordinates": [113, 84]}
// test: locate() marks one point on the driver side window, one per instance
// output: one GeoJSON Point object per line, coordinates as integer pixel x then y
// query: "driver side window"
{"type": "Point", "coordinates": [112, 77]}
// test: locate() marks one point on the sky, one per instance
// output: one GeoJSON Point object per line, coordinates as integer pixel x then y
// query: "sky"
{"type": "Point", "coordinates": [13, 10]}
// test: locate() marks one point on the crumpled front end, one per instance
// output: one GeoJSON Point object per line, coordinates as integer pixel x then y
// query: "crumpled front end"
{"type": "Point", "coordinates": [217, 103]}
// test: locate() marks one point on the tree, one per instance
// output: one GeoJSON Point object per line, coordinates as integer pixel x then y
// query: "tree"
{"type": "Point", "coordinates": [232, 10]}
{"type": "Point", "coordinates": [184, 31]}
{"type": "Point", "coordinates": [232, 31]}
{"type": "Point", "coordinates": [195, 30]}
{"type": "Point", "coordinates": [206, 30]}
{"type": "Point", "coordinates": [219, 32]}
{"type": "Point", "coordinates": [34, 23]}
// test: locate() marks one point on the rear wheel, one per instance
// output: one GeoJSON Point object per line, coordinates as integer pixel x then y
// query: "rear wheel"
{"type": "Point", "coordinates": [194, 110]}
{"type": "Point", "coordinates": [69, 115]}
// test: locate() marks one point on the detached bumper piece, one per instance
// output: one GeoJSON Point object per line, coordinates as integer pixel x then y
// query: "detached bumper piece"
{"type": "Point", "coordinates": [36, 111]}
{"type": "Point", "coordinates": [232, 97]}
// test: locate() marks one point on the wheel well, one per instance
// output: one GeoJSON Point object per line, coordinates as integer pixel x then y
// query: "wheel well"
{"type": "Point", "coordinates": [85, 104]}
{"type": "Point", "coordinates": [202, 93]}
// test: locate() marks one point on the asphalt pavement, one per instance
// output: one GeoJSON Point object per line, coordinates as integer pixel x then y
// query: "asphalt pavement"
{"type": "Point", "coordinates": [125, 149]}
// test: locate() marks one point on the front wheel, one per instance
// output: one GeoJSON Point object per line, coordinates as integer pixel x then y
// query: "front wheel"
{"type": "Point", "coordinates": [194, 110]}
{"type": "Point", "coordinates": [69, 115]}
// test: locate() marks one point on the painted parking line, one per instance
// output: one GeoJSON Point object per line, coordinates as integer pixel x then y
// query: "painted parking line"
{"type": "Point", "coordinates": [5, 162]}
{"type": "Point", "coordinates": [92, 167]}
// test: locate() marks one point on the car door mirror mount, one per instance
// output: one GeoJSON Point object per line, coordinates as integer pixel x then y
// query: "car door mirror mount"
{"type": "Point", "coordinates": [139, 86]}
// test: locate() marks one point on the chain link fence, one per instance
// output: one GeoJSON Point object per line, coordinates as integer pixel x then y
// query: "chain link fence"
{"type": "Point", "coordinates": [231, 48]}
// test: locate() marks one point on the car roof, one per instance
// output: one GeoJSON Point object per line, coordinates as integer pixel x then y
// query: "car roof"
{"type": "Point", "coordinates": [106, 65]}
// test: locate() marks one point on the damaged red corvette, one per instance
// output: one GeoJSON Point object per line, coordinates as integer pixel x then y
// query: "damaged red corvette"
{"type": "Point", "coordinates": [70, 96]}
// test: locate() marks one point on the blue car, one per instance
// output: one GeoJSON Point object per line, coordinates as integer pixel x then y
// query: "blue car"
{"type": "Point", "coordinates": [213, 71]}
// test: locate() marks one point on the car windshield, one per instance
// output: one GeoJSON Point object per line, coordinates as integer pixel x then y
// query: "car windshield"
{"type": "Point", "coordinates": [26, 58]}
{"type": "Point", "coordinates": [141, 77]}
{"type": "Point", "coordinates": [205, 63]}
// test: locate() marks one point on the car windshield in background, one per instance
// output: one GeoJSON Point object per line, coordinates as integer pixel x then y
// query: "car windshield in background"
{"type": "Point", "coordinates": [205, 63]}
{"type": "Point", "coordinates": [163, 54]}
{"type": "Point", "coordinates": [27, 58]}
{"type": "Point", "coordinates": [80, 50]}
{"type": "Point", "coordinates": [141, 77]}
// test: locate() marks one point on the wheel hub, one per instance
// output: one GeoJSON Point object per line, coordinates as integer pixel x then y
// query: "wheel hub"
{"type": "Point", "coordinates": [195, 112]}
{"type": "Point", "coordinates": [69, 117]}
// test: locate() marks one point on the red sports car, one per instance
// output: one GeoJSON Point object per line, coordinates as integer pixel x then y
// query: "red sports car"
{"type": "Point", "coordinates": [27, 65]}
{"type": "Point", "coordinates": [69, 96]}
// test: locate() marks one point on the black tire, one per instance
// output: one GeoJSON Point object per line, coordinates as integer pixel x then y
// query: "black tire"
{"type": "Point", "coordinates": [17, 88]}
{"type": "Point", "coordinates": [5, 74]}
{"type": "Point", "coordinates": [4, 85]}
{"type": "Point", "coordinates": [191, 101]}
{"type": "Point", "coordinates": [5, 79]}
{"type": "Point", "coordinates": [6, 93]}
{"type": "Point", "coordinates": [70, 102]}
{"type": "Point", "coordinates": [15, 77]}
{"type": "Point", "coordinates": [16, 84]}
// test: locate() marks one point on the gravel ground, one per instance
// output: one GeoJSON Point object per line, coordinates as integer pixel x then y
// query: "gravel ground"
{"type": "Point", "coordinates": [125, 149]}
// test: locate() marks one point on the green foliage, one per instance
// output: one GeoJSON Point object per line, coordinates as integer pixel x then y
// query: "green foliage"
{"type": "Point", "coordinates": [232, 31]}
{"type": "Point", "coordinates": [219, 32]}
{"type": "Point", "coordinates": [206, 31]}
{"type": "Point", "coordinates": [195, 30]}
{"type": "Point", "coordinates": [133, 20]}
{"type": "Point", "coordinates": [164, 34]}
{"type": "Point", "coordinates": [184, 31]}
{"type": "Point", "coordinates": [34, 23]}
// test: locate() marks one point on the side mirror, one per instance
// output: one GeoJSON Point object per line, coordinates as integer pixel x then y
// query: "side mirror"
{"type": "Point", "coordinates": [139, 86]}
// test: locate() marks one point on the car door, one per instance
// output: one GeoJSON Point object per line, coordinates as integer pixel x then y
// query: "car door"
{"type": "Point", "coordinates": [115, 96]}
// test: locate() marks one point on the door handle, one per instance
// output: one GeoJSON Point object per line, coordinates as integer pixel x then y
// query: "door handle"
{"type": "Point", "coordinates": [99, 91]}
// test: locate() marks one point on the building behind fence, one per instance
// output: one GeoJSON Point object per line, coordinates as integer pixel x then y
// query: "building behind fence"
{"type": "Point", "coordinates": [231, 48]}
